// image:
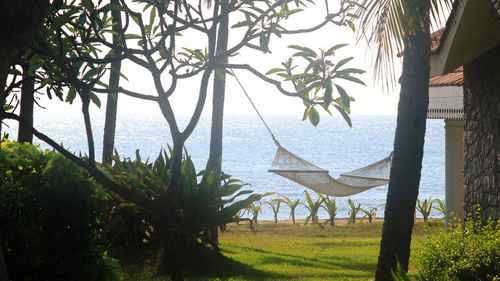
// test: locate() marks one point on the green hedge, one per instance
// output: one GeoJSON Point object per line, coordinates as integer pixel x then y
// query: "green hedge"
{"type": "Point", "coordinates": [51, 217]}
{"type": "Point", "coordinates": [469, 252]}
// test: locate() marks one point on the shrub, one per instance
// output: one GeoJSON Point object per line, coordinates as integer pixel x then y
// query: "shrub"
{"type": "Point", "coordinates": [467, 252]}
{"type": "Point", "coordinates": [51, 216]}
{"type": "Point", "coordinates": [203, 201]}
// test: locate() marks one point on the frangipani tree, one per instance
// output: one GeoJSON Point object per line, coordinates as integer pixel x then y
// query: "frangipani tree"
{"type": "Point", "coordinates": [75, 51]}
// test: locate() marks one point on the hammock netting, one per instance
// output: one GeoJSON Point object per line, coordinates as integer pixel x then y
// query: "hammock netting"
{"type": "Point", "coordinates": [292, 167]}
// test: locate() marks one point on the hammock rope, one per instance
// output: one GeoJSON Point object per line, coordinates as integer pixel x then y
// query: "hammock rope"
{"type": "Point", "coordinates": [292, 167]}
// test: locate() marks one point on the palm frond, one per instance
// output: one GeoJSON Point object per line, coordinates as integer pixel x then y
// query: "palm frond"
{"type": "Point", "coordinates": [386, 24]}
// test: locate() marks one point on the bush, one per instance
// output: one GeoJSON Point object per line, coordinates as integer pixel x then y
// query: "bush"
{"type": "Point", "coordinates": [51, 216]}
{"type": "Point", "coordinates": [467, 252]}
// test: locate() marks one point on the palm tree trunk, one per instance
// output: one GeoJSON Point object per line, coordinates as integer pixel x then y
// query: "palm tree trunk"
{"type": "Point", "coordinates": [112, 100]}
{"type": "Point", "coordinates": [215, 156]}
{"type": "Point", "coordinates": [27, 103]}
{"type": "Point", "coordinates": [408, 153]}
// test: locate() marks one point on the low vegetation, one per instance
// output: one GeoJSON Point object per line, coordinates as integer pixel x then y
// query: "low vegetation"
{"type": "Point", "coordinates": [469, 252]}
{"type": "Point", "coordinates": [293, 252]}
{"type": "Point", "coordinates": [52, 216]}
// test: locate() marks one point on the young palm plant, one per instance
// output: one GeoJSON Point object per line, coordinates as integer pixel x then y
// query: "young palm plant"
{"type": "Point", "coordinates": [441, 207]}
{"type": "Point", "coordinates": [354, 211]}
{"type": "Point", "coordinates": [330, 207]}
{"type": "Point", "coordinates": [275, 205]}
{"type": "Point", "coordinates": [254, 209]}
{"type": "Point", "coordinates": [425, 208]}
{"type": "Point", "coordinates": [313, 207]}
{"type": "Point", "coordinates": [292, 204]}
{"type": "Point", "coordinates": [370, 214]}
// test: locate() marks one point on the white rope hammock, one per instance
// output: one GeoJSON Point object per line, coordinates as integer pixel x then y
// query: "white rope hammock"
{"type": "Point", "coordinates": [292, 167]}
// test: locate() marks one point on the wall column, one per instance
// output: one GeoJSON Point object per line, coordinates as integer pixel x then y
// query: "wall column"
{"type": "Point", "coordinates": [454, 154]}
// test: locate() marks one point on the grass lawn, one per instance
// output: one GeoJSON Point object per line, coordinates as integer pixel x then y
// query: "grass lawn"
{"type": "Point", "coordinates": [293, 252]}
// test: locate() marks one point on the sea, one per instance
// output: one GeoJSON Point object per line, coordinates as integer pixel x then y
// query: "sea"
{"type": "Point", "coordinates": [248, 150]}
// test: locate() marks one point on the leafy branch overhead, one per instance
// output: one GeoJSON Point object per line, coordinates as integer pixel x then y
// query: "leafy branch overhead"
{"type": "Point", "coordinates": [319, 82]}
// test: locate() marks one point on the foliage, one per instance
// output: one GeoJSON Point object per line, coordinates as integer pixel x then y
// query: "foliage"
{"type": "Point", "coordinates": [313, 206]}
{"type": "Point", "coordinates": [52, 215]}
{"type": "Point", "coordinates": [203, 202]}
{"type": "Point", "coordinates": [330, 207]}
{"type": "Point", "coordinates": [275, 205]}
{"type": "Point", "coordinates": [369, 214]}
{"type": "Point", "coordinates": [292, 204]}
{"type": "Point", "coordinates": [466, 252]}
{"type": "Point", "coordinates": [254, 210]}
{"type": "Point", "coordinates": [317, 80]}
{"type": "Point", "coordinates": [386, 25]}
{"type": "Point", "coordinates": [353, 211]}
{"type": "Point", "coordinates": [441, 207]}
{"type": "Point", "coordinates": [425, 208]}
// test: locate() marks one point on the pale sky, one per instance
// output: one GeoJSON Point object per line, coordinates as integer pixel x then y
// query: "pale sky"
{"type": "Point", "coordinates": [370, 100]}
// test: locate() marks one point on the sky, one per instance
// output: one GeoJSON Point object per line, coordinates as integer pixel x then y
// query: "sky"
{"type": "Point", "coordinates": [370, 100]}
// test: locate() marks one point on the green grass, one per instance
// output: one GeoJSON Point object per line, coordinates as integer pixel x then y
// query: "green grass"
{"type": "Point", "coordinates": [292, 252]}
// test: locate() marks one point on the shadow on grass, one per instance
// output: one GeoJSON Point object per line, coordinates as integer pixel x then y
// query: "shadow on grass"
{"type": "Point", "coordinates": [332, 266]}
{"type": "Point", "coordinates": [202, 264]}
{"type": "Point", "coordinates": [209, 264]}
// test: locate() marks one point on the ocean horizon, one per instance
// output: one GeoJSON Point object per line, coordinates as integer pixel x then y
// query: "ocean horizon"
{"type": "Point", "coordinates": [248, 149]}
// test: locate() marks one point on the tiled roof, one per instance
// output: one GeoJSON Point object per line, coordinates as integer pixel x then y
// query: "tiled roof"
{"type": "Point", "coordinates": [436, 39]}
{"type": "Point", "coordinates": [454, 78]}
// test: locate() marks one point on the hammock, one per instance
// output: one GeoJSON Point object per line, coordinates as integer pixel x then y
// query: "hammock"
{"type": "Point", "coordinates": [292, 167]}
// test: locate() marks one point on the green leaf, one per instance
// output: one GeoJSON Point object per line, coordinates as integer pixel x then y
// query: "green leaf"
{"type": "Point", "coordinates": [71, 95]}
{"type": "Point", "coordinates": [351, 25]}
{"type": "Point", "coordinates": [344, 96]}
{"type": "Point", "coordinates": [353, 79]}
{"type": "Point", "coordinates": [331, 51]}
{"type": "Point", "coordinates": [152, 16]}
{"type": "Point", "coordinates": [241, 24]}
{"type": "Point", "coordinates": [14, 71]}
{"type": "Point", "coordinates": [309, 51]}
{"type": "Point", "coordinates": [7, 107]}
{"type": "Point", "coordinates": [87, 4]}
{"type": "Point", "coordinates": [314, 116]}
{"type": "Point", "coordinates": [344, 114]}
{"type": "Point", "coordinates": [342, 62]}
{"type": "Point", "coordinates": [264, 42]}
{"type": "Point", "coordinates": [95, 99]}
{"type": "Point", "coordinates": [132, 36]}
{"type": "Point", "coordinates": [328, 95]}
{"type": "Point", "coordinates": [116, 7]}
{"type": "Point", "coordinates": [274, 70]}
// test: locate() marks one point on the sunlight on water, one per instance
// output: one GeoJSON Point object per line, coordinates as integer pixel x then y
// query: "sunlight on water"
{"type": "Point", "coordinates": [249, 150]}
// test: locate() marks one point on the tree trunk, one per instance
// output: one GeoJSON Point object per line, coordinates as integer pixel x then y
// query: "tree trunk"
{"type": "Point", "coordinates": [19, 25]}
{"type": "Point", "coordinates": [408, 153]}
{"type": "Point", "coordinates": [27, 103]}
{"type": "Point", "coordinates": [112, 100]}
{"type": "Point", "coordinates": [215, 156]}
